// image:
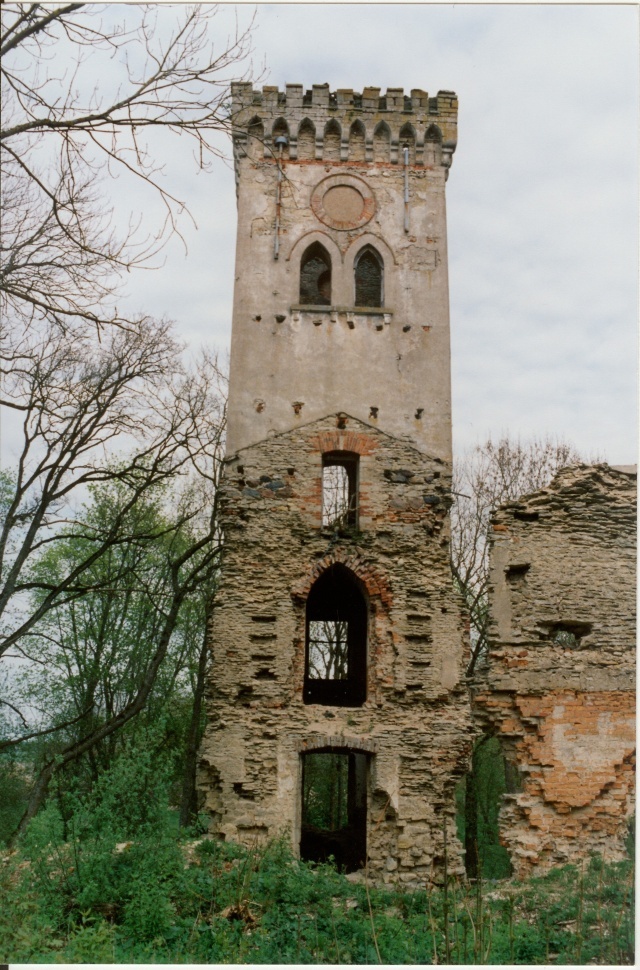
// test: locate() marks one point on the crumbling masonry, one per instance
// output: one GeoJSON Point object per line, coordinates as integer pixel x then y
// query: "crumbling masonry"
{"type": "Point", "coordinates": [559, 684]}
{"type": "Point", "coordinates": [340, 393]}
{"type": "Point", "coordinates": [338, 710]}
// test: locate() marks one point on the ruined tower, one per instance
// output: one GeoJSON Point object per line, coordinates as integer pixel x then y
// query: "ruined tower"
{"type": "Point", "coordinates": [336, 701]}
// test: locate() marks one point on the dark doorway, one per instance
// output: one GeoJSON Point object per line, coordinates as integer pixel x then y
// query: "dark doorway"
{"type": "Point", "coordinates": [334, 808]}
{"type": "Point", "coordinates": [336, 647]}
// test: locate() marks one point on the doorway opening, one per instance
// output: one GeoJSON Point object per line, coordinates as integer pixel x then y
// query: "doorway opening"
{"type": "Point", "coordinates": [334, 808]}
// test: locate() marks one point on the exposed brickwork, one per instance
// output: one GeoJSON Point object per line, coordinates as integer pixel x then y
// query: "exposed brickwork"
{"type": "Point", "coordinates": [559, 683]}
{"type": "Point", "coordinates": [415, 724]}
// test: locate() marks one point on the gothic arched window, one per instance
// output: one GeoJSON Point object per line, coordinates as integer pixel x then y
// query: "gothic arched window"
{"type": "Point", "coordinates": [336, 641]}
{"type": "Point", "coordinates": [369, 277]}
{"type": "Point", "coordinates": [315, 276]}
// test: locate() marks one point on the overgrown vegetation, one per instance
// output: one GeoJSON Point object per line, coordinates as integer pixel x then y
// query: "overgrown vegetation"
{"type": "Point", "coordinates": [122, 888]}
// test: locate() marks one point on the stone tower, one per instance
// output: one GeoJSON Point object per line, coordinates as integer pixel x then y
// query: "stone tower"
{"type": "Point", "coordinates": [336, 701]}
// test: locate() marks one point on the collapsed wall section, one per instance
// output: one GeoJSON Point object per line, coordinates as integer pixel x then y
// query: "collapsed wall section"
{"type": "Point", "coordinates": [558, 683]}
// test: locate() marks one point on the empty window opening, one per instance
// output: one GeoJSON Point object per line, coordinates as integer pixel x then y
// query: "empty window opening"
{"type": "Point", "coordinates": [315, 277]}
{"type": "Point", "coordinates": [334, 808]}
{"type": "Point", "coordinates": [339, 490]}
{"type": "Point", "coordinates": [336, 641]}
{"type": "Point", "coordinates": [569, 634]}
{"type": "Point", "coordinates": [368, 276]}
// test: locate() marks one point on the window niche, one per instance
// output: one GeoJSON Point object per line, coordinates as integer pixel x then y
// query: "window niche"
{"type": "Point", "coordinates": [315, 276]}
{"type": "Point", "coordinates": [336, 641]}
{"type": "Point", "coordinates": [368, 278]}
{"type": "Point", "coordinates": [339, 491]}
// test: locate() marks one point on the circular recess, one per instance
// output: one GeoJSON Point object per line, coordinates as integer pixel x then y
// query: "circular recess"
{"type": "Point", "coordinates": [343, 202]}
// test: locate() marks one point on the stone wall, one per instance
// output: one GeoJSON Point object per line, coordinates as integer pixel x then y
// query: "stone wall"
{"type": "Point", "coordinates": [558, 685]}
{"type": "Point", "coordinates": [414, 726]}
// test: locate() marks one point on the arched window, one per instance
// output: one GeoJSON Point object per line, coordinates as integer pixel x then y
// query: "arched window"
{"type": "Point", "coordinates": [368, 275]}
{"type": "Point", "coordinates": [382, 143]}
{"type": "Point", "coordinates": [255, 144]}
{"type": "Point", "coordinates": [306, 140]}
{"type": "Point", "coordinates": [280, 130]}
{"type": "Point", "coordinates": [408, 140]}
{"type": "Point", "coordinates": [331, 146]}
{"type": "Point", "coordinates": [336, 641]}
{"type": "Point", "coordinates": [315, 276]}
{"type": "Point", "coordinates": [357, 142]}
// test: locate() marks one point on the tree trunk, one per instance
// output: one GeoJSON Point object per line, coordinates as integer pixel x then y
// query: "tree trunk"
{"type": "Point", "coordinates": [189, 801]}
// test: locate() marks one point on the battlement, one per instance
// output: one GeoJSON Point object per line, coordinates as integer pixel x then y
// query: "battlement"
{"type": "Point", "coordinates": [413, 120]}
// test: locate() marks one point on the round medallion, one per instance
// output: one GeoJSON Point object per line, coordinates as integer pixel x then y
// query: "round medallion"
{"type": "Point", "coordinates": [343, 202]}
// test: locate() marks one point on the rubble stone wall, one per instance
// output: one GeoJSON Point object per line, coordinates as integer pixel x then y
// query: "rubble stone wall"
{"type": "Point", "coordinates": [558, 686]}
{"type": "Point", "coordinates": [414, 726]}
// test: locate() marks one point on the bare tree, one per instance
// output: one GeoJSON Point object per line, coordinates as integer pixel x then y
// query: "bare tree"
{"type": "Point", "coordinates": [161, 71]}
{"type": "Point", "coordinates": [484, 478]}
{"type": "Point", "coordinates": [78, 399]}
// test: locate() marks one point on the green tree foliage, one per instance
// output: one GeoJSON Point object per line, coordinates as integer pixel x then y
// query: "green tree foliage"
{"type": "Point", "coordinates": [126, 654]}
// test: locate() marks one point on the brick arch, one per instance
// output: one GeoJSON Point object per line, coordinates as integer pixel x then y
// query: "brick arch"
{"type": "Point", "coordinates": [316, 235]}
{"type": "Point", "coordinates": [337, 742]}
{"type": "Point", "coordinates": [375, 584]}
{"type": "Point", "coordinates": [357, 442]}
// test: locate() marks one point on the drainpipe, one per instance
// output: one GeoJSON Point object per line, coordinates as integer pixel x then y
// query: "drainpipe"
{"type": "Point", "coordinates": [280, 143]}
{"type": "Point", "coordinates": [405, 152]}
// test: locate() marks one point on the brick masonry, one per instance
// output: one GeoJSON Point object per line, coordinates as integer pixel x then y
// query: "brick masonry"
{"type": "Point", "coordinates": [558, 686]}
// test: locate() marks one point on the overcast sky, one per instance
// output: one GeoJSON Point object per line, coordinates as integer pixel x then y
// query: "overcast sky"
{"type": "Point", "coordinates": [542, 201]}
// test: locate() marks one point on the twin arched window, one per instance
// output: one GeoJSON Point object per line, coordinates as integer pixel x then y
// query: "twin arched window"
{"type": "Point", "coordinates": [315, 277]}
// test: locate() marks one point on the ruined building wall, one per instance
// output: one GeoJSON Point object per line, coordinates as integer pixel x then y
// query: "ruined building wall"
{"type": "Point", "coordinates": [414, 725]}
{"type": "Point", "coordinates": [558, 686]}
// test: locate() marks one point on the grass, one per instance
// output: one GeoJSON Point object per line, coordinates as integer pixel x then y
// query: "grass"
{"type": "Point", "coordinates": [160, 901]}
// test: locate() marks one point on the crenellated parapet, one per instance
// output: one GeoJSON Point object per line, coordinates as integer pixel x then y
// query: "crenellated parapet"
{"type": "Point", "coordinates": [346, 126]}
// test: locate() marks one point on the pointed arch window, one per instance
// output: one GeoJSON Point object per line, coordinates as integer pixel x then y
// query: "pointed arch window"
{"type": "Point", "coordinates": [315, 276]}
{"type": "Point", "coordinates": [368, 270]}
{"type": "Point", "coordinates": [336, 641]}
